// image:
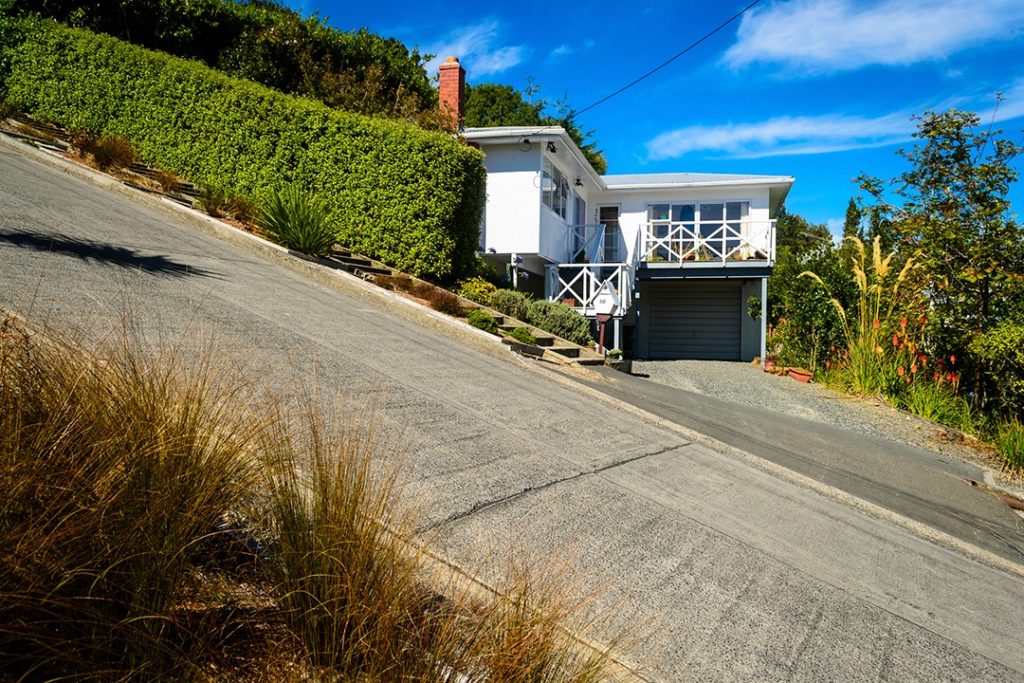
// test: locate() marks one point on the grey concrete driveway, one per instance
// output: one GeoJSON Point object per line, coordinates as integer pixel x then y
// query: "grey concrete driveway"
{"type": "Point", "coordinates": [731, 573]}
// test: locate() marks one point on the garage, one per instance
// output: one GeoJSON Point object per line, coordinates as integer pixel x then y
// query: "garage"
{"type": "Point", "coordinates": [694, 319]}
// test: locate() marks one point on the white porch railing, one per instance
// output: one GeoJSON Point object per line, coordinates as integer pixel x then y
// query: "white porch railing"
{"type": "Point", "coordinates": [726, 241]}
{"type": "Point", "coordinates": [585, 242]}
{"type": "Point", "coordinates": [578, 284]}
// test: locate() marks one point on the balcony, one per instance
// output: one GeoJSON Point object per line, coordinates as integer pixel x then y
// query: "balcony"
{"type": "Point", "coordinates": [719, 243]}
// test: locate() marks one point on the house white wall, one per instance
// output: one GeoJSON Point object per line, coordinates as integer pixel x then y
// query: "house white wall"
{"type": "Point", "coordinates": [516, 219]}
{"type": "Point", "coordinates": [633, 206]}
{"type": "Point", "coordinates": [512, 217]}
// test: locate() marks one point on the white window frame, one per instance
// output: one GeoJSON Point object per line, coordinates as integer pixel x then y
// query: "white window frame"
{"type": "Point", "coordinates": [555, 192]}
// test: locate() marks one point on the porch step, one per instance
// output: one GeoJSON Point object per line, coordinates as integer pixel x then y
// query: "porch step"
{"type": "Point", "coordinates": [567, 351]}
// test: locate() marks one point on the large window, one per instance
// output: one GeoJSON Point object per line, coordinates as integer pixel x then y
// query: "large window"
{"type": "Point", "coordinates": [691, 230]}
{"type": "Point", "coordinates": [555, 189]}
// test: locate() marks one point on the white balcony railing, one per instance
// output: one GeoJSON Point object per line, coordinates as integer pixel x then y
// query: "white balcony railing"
{"type": "Point", "coordinates": [578, 284]}
{"type": "Point", "coordinates": [719, 242]}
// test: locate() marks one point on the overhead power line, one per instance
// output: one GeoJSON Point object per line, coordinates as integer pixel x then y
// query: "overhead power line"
{"type": "Point", "coordinates": [661, 66]}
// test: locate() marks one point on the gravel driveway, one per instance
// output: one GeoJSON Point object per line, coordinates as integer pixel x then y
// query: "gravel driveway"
{"type": "Point", "coordinates": [746, 384]}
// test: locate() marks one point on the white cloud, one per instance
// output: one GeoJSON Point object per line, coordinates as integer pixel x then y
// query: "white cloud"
{"type": "Point", "coordinates": [783, 136]}
{"type": "Point", "coordinates": [475, 46]}
{"type": "Point", "coordinates": [1011, 107]}
{"type": "Point", "coordinates": [820, 36]}
{"type": "Point", "coordinates": [562, 50]}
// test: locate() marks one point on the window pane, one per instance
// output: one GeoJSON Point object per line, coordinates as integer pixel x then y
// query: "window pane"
{"type": "Point", "coordinates": [735, 211]}
{"type": "Point", "coordinates": [710, 212]}
{"type": "Point", "coordinates": [683, 212]}
{"type": "Point", "coordinates": [657, 212]}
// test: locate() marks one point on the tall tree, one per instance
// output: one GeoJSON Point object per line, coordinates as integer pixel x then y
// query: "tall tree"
{"type": "Point", "coordinates": [852, 224]}
{"type": "Point", "coordinates": [955, 215]}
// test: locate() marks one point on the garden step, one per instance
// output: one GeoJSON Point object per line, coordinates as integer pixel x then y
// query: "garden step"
{"type": "Point", "coordinates": [567, 351]}
{"type": "Point", "coordinates": [371, 271]}
{"type": "Point", "coordinates": [354, 261]}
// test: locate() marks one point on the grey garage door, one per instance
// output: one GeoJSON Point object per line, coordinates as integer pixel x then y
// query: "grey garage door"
{"type": "Point", "coordinates": [695, 319]}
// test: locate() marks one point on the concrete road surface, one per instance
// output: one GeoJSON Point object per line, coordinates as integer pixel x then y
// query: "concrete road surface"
{"type": "Point", "coordinates": [726, 570]}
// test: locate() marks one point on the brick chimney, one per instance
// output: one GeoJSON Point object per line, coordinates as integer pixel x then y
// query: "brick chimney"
{"type": "Point", "coordinates": [452, 95]}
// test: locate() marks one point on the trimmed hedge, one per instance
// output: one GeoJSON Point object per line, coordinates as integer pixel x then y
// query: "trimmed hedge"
{"type": "Point", "coordinates": [560, 320]}
{"type": "Point", "coordinates": [510, 302]}
{"type": "Point", "coordinates": [408, 197]}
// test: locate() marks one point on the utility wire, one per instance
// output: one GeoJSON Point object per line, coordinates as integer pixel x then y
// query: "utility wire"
{"type": "Point", "coordinates": [660, 66]}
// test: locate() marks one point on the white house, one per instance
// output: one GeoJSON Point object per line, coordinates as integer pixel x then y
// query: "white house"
{"type": "Point", "coordinates": [686, 255]}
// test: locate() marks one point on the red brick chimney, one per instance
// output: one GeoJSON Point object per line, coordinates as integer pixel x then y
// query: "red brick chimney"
{"type": "Point", "coordinates": [452, 95]}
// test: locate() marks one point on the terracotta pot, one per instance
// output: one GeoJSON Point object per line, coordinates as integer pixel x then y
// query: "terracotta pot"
{"type": "Point", "coordinates": [800, 374]}
{"type": "Point", "coordinates": [769, 365]}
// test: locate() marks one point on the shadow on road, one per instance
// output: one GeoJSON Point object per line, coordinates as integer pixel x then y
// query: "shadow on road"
{"type": "Point", "coordinates": [88, 250]}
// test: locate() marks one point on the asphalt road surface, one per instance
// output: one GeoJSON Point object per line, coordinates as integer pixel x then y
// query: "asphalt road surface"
{"type": "Point", "coordinates": [722, 569]}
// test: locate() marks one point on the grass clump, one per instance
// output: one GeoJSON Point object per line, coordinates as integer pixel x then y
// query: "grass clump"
{"type": "Point", "coordinates": [299, 221]}
{"type": "Point", "coordinates": [115, 467]}
{"type": "Point", "coordinates": [1009, 440]}
{"type": "Point", "coordinates": [106, 152]}
{"type": "Point", "coordinates": [559, 320]}
{"type": "Point", "coordinates": [130, 476]}
{"type": "Point", "coordinates": [523, 334]}
{"type": "Point", "coordinates": [484, 321]}
{"type": "Point", "coordinates": [401, 283]}
{"type": "Point", "coordinates": [510, 302]}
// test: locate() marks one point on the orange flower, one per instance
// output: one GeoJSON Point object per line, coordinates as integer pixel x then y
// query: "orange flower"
{"type": "Point", "coordinates": [936, 377]}
{"type": "Point", "coordinates": [876, 323]}
{"type": "Point", "coordinates": [878, 349]}
{"type": "Point", "coordinates": [923, 358]}
{"type": "Point", "coordinates": [899, 371]}
{"type": "Point", "coordinates": [896, 340]}
{"type": "Point", "coordinates": [903, 323]}
{"type": "Point", "coordinates": [952, 359]}
{"type": "Point", "coordinates": [923, 319]}
{"type": "Point", "coordinates": [913, 367]}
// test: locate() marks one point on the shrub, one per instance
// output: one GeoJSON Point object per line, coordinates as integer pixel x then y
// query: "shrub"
{"type": "Point", "coordinates": [523, 334]}
{"type": "Point", "coordinates": [477, 289]}
{"type": "Point", "coordinates": [299, 221]}
{"type": "Point", "coordinates": [510, 302]}
{"type": "Point", "coordinates": [402, 283]}
{"type": "Point", "coordinates": [1010, 441]}
{"type": "Point", "coordinates": [408, 197]}
{"type": "Point", "coordinates": [559, 320]}
{"type": "Point", "coordinates": [1000, 352]}
{"type": "Point", "coordinates": [484, 321]}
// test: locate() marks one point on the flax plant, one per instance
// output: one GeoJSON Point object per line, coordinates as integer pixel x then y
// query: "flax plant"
{"type": "Point", "coordinates": [866, 367]}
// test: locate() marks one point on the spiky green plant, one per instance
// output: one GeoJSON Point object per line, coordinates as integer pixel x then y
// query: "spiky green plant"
{"type": "Point", "coordinates": [299, 221]}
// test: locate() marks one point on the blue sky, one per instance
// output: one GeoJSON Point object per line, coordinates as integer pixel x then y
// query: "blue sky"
{"type": "Point", "coordinates": [819, 89]}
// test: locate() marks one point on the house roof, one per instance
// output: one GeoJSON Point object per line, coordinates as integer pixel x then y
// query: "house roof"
{"type": "Point", "coordinates": [663, 180]}
{"type": "Point", "coordinates": [779, 184]}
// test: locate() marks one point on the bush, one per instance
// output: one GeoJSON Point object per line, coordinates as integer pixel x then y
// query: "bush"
{"type": "Point", "coordinates": [484, 321]}
{"type": "Point", "coordinates": [477, 289]}
{"type": "Point", "coordinates": [1000, 353]}
{"type": "Point", "coordinates": [559, 320]}
{"type": "Point", "coordinates": [299, 221]}
{"type": "Point", "coordinates": [408, 197]}
{"type": "Point", "coordinates": [422, 290]}
{"type": "Point", "coordinates": [510, 302]}
{"type": "Point", "coordinates": [1010, 441]}
{"type": "Point", "coordinates": [523, 334]}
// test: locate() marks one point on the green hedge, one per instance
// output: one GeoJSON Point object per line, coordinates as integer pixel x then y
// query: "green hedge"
{"type": "Point", "coordinates": [408, 197]}
{"type": "Point", "coordinates": [558, 319]}
{"type": "Point", "coordinates": [1000, 352]}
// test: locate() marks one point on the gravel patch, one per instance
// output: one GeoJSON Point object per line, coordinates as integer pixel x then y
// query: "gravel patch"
{"type": "Point", "coordinates": [745, 384]}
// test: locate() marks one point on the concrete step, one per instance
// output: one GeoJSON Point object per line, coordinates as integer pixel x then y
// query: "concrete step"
{"type": "Point", "coordinates": [567, 351]}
